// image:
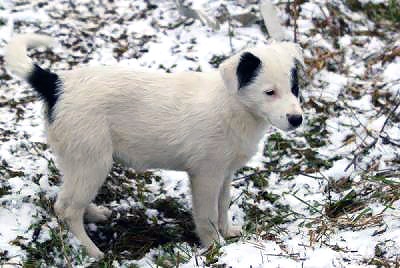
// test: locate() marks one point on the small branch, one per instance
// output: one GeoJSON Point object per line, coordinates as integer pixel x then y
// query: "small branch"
{"type": "Point", "coordinates": [376, 139]}
{"type": "Point", "coordinates": [362, 151]}
{"type": "Point", "coordinates": [390, 113]}
{"type": "Point", "coordinates": [308, 205]}
{"type": "Point", "coordinates": [230, 33]}
{"type": "Point", "coordinates": [252, 174]}
{"type": "Point", "coordinates": [64, 251]}
{"type": "Point", "coordinates": [295, 17]}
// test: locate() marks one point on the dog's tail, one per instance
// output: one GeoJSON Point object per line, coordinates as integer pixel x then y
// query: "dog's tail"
{"type": "Point", "coordinates": [15, 57]}
{"type": "Point", "coordinates": [43, 81]}
{"type": "Point", "coordinates": [271, 20]}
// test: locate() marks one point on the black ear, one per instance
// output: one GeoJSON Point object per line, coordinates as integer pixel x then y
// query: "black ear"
{"type": "Point", "coordinates": [294, 80]}
{"type": "Point", "coordinates": [296, 73]}
{"type": "Point", "coordinates": [248, 68]}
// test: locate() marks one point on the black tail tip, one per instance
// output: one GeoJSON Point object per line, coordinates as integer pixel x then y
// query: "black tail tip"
{"type": "Point", "coordinates": [47, 84]}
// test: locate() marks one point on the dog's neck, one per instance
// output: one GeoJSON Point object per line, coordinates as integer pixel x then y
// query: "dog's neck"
{"type": "Point", "coordinates": [246, 125]}
{"type": "Point", "coordinates": [245, 128]}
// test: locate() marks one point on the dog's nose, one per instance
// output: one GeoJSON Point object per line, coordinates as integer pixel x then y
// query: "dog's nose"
{"type": "Point", "coordinates": [295, 119]}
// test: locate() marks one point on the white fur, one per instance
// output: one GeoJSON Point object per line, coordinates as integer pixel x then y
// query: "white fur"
{"type": "Point", "coordinates": [196, 122]}
{"type": "Point", "coordinates": [15, 56]}
{"type": "Point", "coordinates": [271, 20]}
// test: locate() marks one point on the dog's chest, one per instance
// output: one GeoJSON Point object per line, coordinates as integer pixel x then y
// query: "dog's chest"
{"type": "Point", "coordinates": [242, 153]}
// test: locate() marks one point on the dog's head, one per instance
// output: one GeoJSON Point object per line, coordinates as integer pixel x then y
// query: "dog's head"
{"type": "Point", "coordinates": [266, 80]}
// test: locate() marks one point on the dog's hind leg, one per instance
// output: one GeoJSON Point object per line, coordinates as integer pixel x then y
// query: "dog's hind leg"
{"type": "Point", "coordinates": [81, 183]}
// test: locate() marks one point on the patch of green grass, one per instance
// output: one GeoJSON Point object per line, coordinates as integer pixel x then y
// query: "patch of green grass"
{"type": "Point", "coordinates": [46, 253]}
{"type": "Point", "coordinates": [349, 203]}
{"type": "Point", "coordinates": [389, 11]}
{"type": "Point", "coordinates": [173, 255]}
{"type": "Point", "coordinates": [303, 158]}
{"type": "Point", "coordinates": [316, 133]}
{"type": "Point", "coordinates": [212, 254]}
{"type": "Point", "coordinates": [264, 220]}
{"type": "Point", "coordinates": [55, 251]}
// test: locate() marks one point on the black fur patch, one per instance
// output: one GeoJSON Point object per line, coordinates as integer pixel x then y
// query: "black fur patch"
{"type": "Point", "coordinates": [46, 84]}
{"type": "Point", "coordinates": [294, 80]}
{"type": "Point", "coordinates": [248, 69]}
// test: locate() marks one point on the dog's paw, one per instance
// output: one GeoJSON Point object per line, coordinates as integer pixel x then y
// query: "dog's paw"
{"type": "Point", "coordinates": [97, 213]}
{"type": "Point", "coordinates": [232, 231]}
{"type": "Point", "coordinates": [95, 253]}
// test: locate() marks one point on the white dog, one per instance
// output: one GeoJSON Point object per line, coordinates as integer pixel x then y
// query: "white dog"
{"type": "Point", "coordinates": [208, 124]}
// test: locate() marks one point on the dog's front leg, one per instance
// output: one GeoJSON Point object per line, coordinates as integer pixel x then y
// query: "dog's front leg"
{"type": "Point", "coordinates": [205, 195]}
{"type": "Point", "coordinates": [224, 222]}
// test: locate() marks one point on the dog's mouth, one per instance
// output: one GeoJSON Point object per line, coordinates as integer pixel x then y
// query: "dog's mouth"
{"type": "Point", "coordinates": [292, 128]}
{"type": "Point", "coordinates": [287, 128]}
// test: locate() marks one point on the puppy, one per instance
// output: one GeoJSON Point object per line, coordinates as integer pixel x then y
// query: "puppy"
{"type": "Point", "coordinates": [207, 124]}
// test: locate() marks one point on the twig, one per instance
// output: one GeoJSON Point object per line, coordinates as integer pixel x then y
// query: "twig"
{"type": "Point", "coordinates": [307, 204]}
{"type": "Point", "coordinates": [65, 255]}
{"type": "Point", "coordinates": [236, 199]}
{"type": "Point", "coordinates": [230, 33]}
{"type": "Point", "coordinates": [283, 255]}
{"type": "Point", "coordinates": [375, 141]}
{"type": "Point", "coordinates": [391, 112]}
{"type": "Point", "coordinates": [311, 176]}
{"type": "Point", "coordinates": [362, 151]}
{"type": "Point", "coordinates": [295, 17]}
{"type": "Point", "coordinates": [361, 124]}
{"type": "Point", "coordinates": [252, 174]}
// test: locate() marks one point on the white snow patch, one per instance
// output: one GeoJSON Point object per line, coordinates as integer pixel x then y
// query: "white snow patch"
{"type": "Point", "coordinates": [392, 71]}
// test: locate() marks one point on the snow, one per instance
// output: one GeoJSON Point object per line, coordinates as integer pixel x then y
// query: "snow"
{"type": "Point", "coordinates": [353, 92]}
{"type": "Point", "coordinates": [391, 72]}
{"type": "Point", "coordinates": [14, 222]}
{"type": "Point", "coordinates": [255, 255]}
{"type": "Point", "coordinates": [335, 84]}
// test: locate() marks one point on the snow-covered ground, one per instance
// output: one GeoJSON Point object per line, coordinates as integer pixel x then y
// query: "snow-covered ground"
{"type": "Point", "coordinates": [327, 195]}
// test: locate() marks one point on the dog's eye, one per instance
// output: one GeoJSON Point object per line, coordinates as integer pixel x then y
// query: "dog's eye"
{"type": "Point", "coordinates": [269, 92]}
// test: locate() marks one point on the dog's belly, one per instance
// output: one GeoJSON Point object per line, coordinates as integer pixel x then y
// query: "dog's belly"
{"type": "Point", "coordinates": [142, 154]}
{"type": "Point", "coordinates": [140, 164]}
